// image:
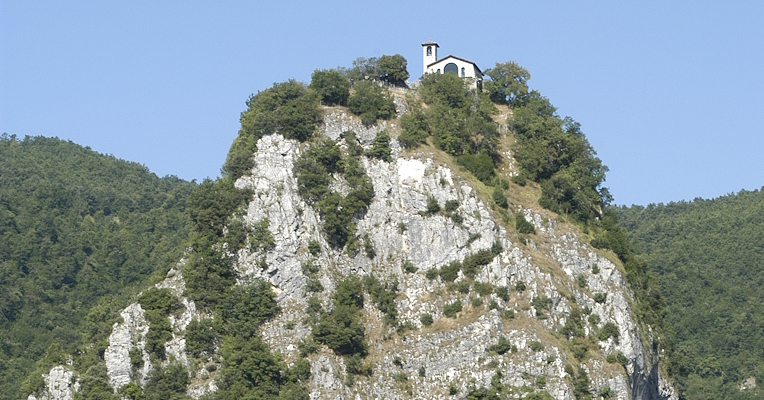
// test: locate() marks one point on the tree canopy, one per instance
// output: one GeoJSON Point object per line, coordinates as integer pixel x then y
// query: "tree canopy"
{"type": "Point", "coordinates": [78, 231]}
{"type": "Point", "coordinates": [392, 69]}
{"type": "Point", "coordinates": [709, 259]}
{"type": "Point", "coordinates": [508, 83]}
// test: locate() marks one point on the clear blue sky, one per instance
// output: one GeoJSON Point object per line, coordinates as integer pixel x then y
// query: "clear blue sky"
{"type": "Point", "coordinates": [670, 94]}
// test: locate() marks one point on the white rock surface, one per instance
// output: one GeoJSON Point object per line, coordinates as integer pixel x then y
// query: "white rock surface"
{"type": "Point", "coordinates": [452, 351]}
{"type": "Point", "coordinates": [125, 335]}
{"type": "Point", "coordinates": [60, 384]}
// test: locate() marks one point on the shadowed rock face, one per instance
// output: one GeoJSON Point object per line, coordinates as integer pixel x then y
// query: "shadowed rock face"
{"type": "Point", "coordinates": [453, 351]}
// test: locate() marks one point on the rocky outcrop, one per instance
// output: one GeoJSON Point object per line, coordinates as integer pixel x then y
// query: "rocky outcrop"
{"type": "Point", "coordinates": [60, 384]}
{"type": "Point", "coordinates": [451, 355]}
{"type": "Point", "coordinates": [452, 352]}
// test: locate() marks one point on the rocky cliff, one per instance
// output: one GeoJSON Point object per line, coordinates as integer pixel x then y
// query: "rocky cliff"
{"type": "Point", "coordinates": [552, 276]}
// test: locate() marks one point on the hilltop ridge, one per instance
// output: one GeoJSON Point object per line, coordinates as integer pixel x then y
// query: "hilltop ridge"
{"type": "Point", "coordinates": [391, 248]}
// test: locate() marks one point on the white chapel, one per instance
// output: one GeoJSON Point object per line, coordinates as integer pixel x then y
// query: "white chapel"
{"type": "Point", "coordinates": [449, 65]}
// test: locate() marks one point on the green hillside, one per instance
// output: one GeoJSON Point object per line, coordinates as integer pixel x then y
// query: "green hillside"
{"type": "Point", "coordinates": [709, 257]}
{"type": "Point", "coordinates": [79, 233]}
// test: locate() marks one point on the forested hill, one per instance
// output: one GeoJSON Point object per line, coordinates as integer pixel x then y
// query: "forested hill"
{"type": "Point", "coordinates": [79, 232]}
{"type": "Point", "coordinates": [709, 256]}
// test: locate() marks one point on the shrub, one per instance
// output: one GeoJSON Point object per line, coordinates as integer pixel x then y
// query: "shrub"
{"type": "Point", "coordinates": [594, 319]}
{"type": "Point", "coordinates": [600, 297]}
{"type": "Point", "coordinates": [483, 289]}
{"type": "Point", "coordinates": [541, 303]}
{"type": "Point", "coordinates": [426, 319]}
{"type": "Point", "coordinates": [245, 308]}
{"type": "Point", "coordinates": [201, 337]}
{"type": "Point", "coordinates": [608, 330]}
{"type": "Point", "coordinates": [414, 128]}
{"type": "Point", "coordinates": [536, 345]}
{"type": "Point", "coordinates": [502, 292]}
{"type": "Point", "coordinates": [501, 347]}
{"type": "Point", "coordinates": [499, 198]}
{"type": "Point", "coordinates": [450, 310]}
{"type": "Point", "coordinates": [500, 183]}
{"type": "Point", "coordinates": [579, 350]}
{"type": "Point", "coordinates": [432, 205]}
{"type": "Point", "coordinates": [600, 242]}
{"type": "Point", "coordinates": [519, 179]}
{"type": "Point", "coordinates": [314, 248]}
{"type": "Point", "coordinates": [451, 205]}
{"type": "Point", "coordinates": [481, 165]}
{"type": "Point", "coordinates": [520, 286]}
{"type": "Point", "coordinates": [522, 224]}
{"type": "Point", "coordinates": [581, 281]}
{"type": "Point", "coordinates": [401, 377]}
{"type": "Point", "coordinates": [368, 247]}
{"type": "Point", "coordinates": [370, 102]}
{"type": "Point", "coordinates": [158, 303]}
{"type": "Point", "coordinates": [354, 366]}
{"type": "Point", "coordinates": [476, 260]}
{"type": "Point", "coordinates": [581, 385]}
{"type": "Point", "coordinates": [452, 389]}
{"type": "Point", "coordinates": [380, 148]}
{"type": "Point", "coordinates": [342, 329]}
{"type": "Point", "coordinates": [432, 273]}
{"type": "Point", "coordinates": [449, 273]}
{"type": "Point", "coordinates": [307, 346]}
{"type": "Point", "coordinates": [606, 393]}
{"type": "Point", "coordinates": [313, 285]}
{"type": "Point", "coordinates": [621, 359]}
{"type": "Point", "coordinates": [541, 382]}
{"type": "Point", "coordinates": [331, 86]}
{"type": "Point", "coordinates": [496, 248]}
{"type": "Point", "coordinates": [260, 237]}
{"type": "Point", "coordinates": [408, 267]}
{"type": "Point", "coordinates": [457, 218]}
{"type": "Point", "coordinates": [473, 237]}
{"type": "Point", "coordinates": [383, 296]}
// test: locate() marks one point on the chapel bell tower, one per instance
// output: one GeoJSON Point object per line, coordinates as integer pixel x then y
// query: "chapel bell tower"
{"type": "Point", "coordinates": [429, 54]}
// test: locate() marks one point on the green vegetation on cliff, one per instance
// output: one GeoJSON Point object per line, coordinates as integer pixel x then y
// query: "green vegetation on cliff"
{"type": "Point", "coordinates": [709, 259]}
{"type": "Point", "coordinates": [79, 232]}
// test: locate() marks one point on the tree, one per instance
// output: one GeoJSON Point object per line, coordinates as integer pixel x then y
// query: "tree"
{"type": "Point", "coordinates": [371, 102]}
{"type": "Point", "coordinates": [332, 87]}
{"type": "Point", "coordinates": [380, 148]}
{"type": "Point", "coordinates": [392, 69]}
{"type": "Point", "coordinates": [508, 84]}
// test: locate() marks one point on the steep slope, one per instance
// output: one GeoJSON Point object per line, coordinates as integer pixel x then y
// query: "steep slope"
{"type": "Point", "coordinates": [452, 301]}
{"type": "Point", "coordinates": [709, 256]}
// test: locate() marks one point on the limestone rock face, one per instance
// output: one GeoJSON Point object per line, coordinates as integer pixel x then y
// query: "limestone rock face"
{"type": "Point", "coordinates": [454, 351]}
{"type": "Point", "coordinates": [555, 266]}
{"type": "Point", "coordinates": [60, 384]}
{"type": "Point", "coordinates": [125, 335]}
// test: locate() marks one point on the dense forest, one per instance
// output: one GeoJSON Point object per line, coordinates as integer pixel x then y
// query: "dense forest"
{"type": "Point", "coordinates": [80, 234]}
{"type": "Point", "coordinates": [709, 257]}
